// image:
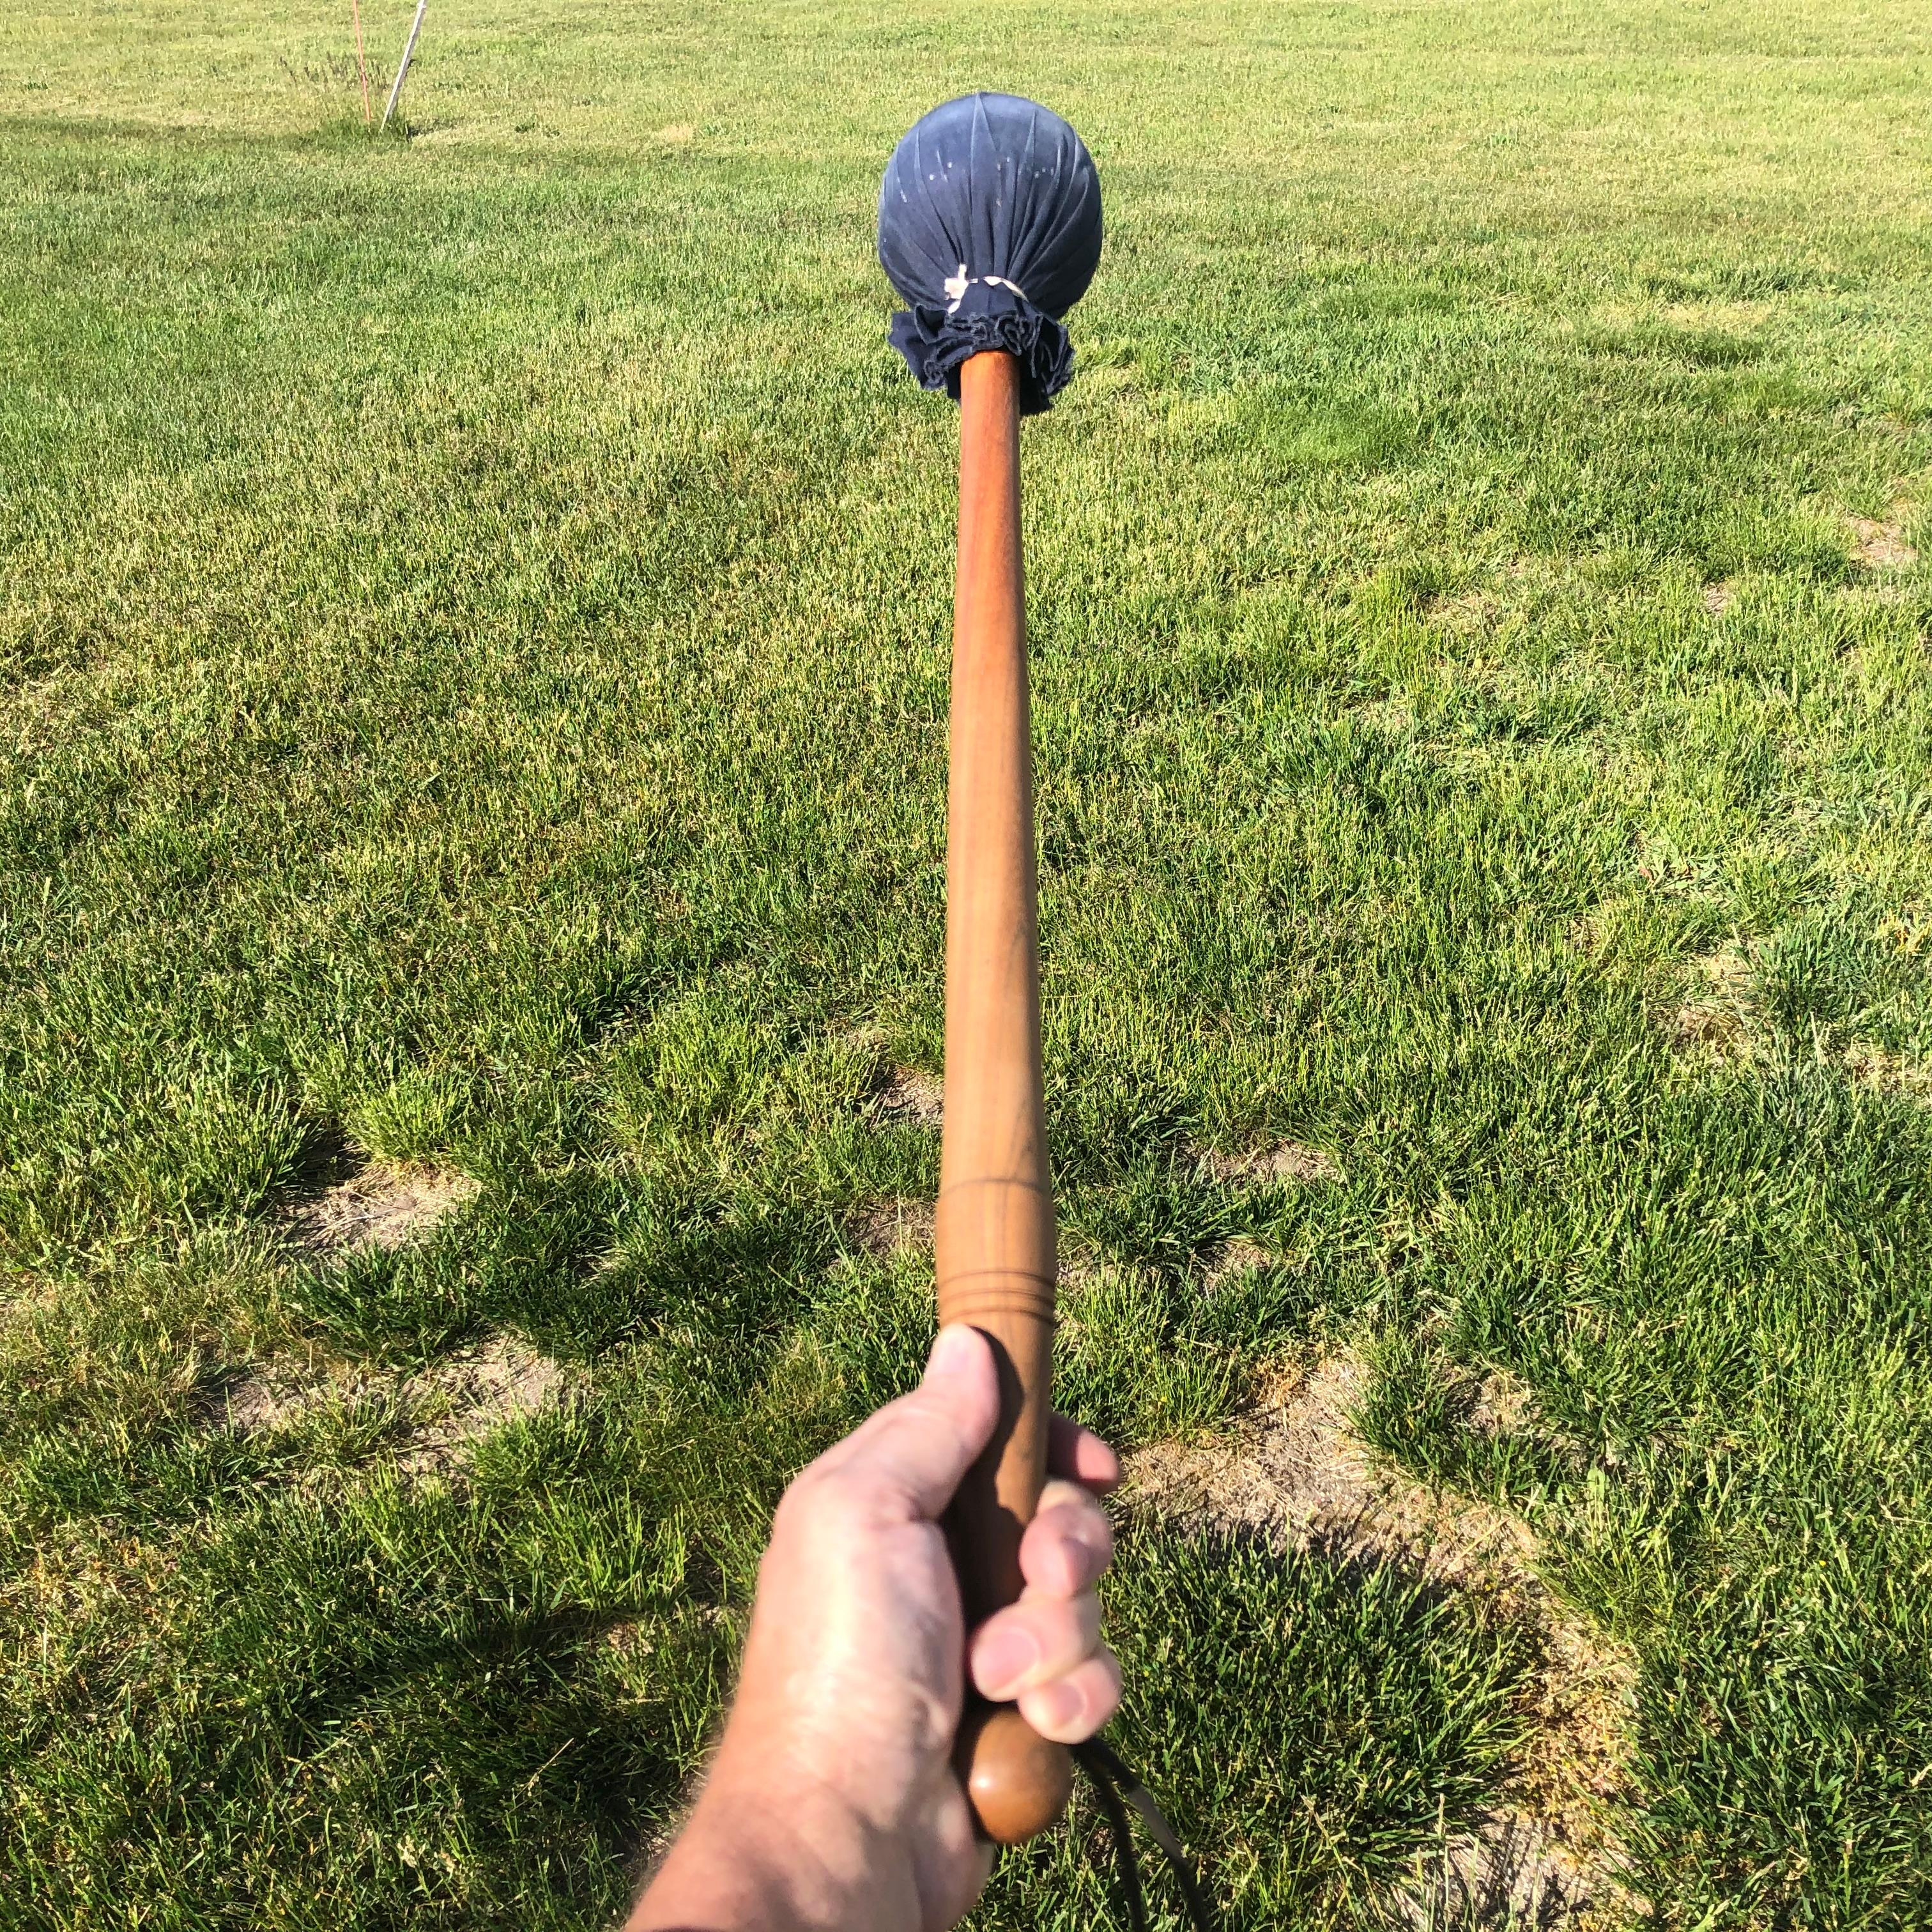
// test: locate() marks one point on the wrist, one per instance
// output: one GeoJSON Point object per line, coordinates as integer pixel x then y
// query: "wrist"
{"type": "Point", "coordinates": [763, 1849]}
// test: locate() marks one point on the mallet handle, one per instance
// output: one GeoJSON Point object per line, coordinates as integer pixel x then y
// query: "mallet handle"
{"type": "Point", "coordinates": [994, 1236]}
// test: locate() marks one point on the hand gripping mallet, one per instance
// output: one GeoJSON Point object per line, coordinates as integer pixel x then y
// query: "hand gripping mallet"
{"type": "Point", "coordinates": [989, 227]}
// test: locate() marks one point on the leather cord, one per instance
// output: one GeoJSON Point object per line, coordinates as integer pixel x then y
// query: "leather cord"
{"type": "Point", "coordinates": [1117, 1789]}
{"type": "Point", "coordinates": [1133, 1901]}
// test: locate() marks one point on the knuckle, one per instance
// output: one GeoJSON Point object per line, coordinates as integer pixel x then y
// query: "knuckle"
{"type": "Point", "coordinates": [1070, 1552]}
{"type": "Point", "coordinates": [797, 1500]}
{"type": "Point", "coordinates": [815, 1495]}
{"type": "Point", "coordinates": [1103, 1700]}
{"type": "Point", "coordinates": [915, 1427]}
{"type": "Point", "coordinates": [1078, 1516]}
{"type": "Point", "coordinates": [933, 1722]}
{"type": "Point", "coordinates": [1066, 1632]}
{"type": "Point", "coordinates": [1076, 1705]}
{"type": "Point", "coordinates": [791, 1520]}
{"type": "Point", "coordinates": [1087, 1621]}
{"type": "Point", "coordinates": [840, 1495]}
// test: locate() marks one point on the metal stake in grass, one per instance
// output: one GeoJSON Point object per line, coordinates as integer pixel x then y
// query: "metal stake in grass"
{"type": "Point", "coordinates": [409, 49]}
{"type": "Point", "coordinates": [989, 227]}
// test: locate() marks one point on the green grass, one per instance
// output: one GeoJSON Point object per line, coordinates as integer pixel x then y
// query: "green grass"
{"type": "Point", "coordinates": [473, 612]}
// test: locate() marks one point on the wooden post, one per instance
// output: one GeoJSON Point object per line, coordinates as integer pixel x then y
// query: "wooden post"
{"type": "Point", "coordinates": [994, 1238]}
{"type": "Point", "coordinates": [409, 50]}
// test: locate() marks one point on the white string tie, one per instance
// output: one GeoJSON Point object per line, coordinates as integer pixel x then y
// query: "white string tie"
{"type": "Point", "coordinates": [956, 285]}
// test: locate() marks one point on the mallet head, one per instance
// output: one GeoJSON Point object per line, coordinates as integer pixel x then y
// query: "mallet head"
{"type": "Point", "coordinates": [989, 227]}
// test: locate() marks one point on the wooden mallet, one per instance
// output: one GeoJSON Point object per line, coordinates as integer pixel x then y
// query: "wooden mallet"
{"type": "Point", "coordinates": [989, 227]}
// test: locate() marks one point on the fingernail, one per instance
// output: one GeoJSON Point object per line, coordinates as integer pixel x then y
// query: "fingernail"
{"type": "Point", "coordinates": [953, 1353]}
{"type": "Point", "coordinates": [1000, 1662]}
{"type": "Point", "coordinates": [1055, 1705]}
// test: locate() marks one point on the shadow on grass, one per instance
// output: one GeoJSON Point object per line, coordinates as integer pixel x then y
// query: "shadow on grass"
{"type": "Point", "coordinates": [1311, 1723]}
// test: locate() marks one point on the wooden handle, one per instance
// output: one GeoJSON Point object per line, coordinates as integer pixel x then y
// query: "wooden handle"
{"type": "Point", "coordinates": [994, 1239]}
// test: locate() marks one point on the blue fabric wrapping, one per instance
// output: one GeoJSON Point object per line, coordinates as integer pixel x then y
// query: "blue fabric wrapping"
{"type": "Point", "coordinates": [1001, 194]}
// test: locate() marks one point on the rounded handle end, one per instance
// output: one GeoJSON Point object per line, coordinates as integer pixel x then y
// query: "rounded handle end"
{"type": "Point", "coordinates": [1017, 1781]}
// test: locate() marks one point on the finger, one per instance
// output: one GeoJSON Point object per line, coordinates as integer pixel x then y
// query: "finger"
{"type": "Point", "coordinates": [1071, 1709]}
{"type": "Point", "coordinates": [1067, 1545]}
{"type": "Point", "coordinates": [1071, 1450]}
{"type": "Point", "coordinates": [913, 1452]}
{"type": "Point", "coordinates": [1032, 1642]}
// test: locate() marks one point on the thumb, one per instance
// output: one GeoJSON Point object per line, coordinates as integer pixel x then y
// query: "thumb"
{"type": "Point", "coordinates": [916, 1449]}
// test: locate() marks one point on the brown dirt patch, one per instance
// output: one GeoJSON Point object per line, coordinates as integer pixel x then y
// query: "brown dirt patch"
{"type": "Point", "coordinates": [1718, 598]}
{"type": "Point", "coordinates": [1512, 1873]}
{"type": "Point", "coordinates": [1592, 931]}
{"type": "Point", "coordinates": [1881, 546]}
{"type": "Point", "coordinates": [502, 1380]}
{"type": "Point", "coordinates": [1504, 1405]}
{"type": "Point", "coordinates": [378, 1206]}
{"type": "Point", "coordinates": [1393, 716]}
{"type": "Point", "coordinates": [1716, 1029]}
{"type": "Point", "coordinates": [1286, 1160]}
{"type": "Point", "coordinates": [890, 1228]}
{"type": "Point", "coordinates": [23, 1294]}
{"type": "Point", "coordinates": [1723, 1023]}
{"type": "Point", "coordinates": [1236, 1257]}
{"type": "Point", "coordinates": [910, 1095]}
{"type": "Point", "coordinates": [1872, 1066]}
{"type": "Point", "coordinates": [1470, 611]}
{"type": "Point", "coordinates": [447, 1407]}
{"type": "Point", "coordinates": [1716, 1019]}
{"type": "Point", "coordinates": [628, 1637]}
{"type": "Point", "coordinates": [1292, 1470]}
{"type": "Point", "coordinates": [271, 1397]}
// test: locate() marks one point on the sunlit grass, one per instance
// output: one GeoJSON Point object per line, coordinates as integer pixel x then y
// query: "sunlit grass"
{"type": "Point", "coordinates": [473, 614]}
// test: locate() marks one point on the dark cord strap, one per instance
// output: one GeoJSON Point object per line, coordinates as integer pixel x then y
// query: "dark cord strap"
{"type": "Point", "coordinates": [1132, 1901]}
{"type": "Point", "coordinates": [1113, 1783]}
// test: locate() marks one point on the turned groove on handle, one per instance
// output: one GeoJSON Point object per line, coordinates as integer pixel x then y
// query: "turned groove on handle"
{"type": "Point", "coordinates": [994, 1249]}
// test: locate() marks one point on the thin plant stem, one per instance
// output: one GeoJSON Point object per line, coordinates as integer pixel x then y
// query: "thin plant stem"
{"type": "Point", "coordinates": [362, 65]}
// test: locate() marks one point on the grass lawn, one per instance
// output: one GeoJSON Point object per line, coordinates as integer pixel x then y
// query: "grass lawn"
{"type": "Point", "coordinates": [473, 621]}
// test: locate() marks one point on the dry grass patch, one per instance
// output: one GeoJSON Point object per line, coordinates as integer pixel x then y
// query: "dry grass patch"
{"type": "Point", "coordinates": [1471, 613]}
{"type": "Point", "coordinates": [444, 1408]}
{"type": "Point", "coordinates": [500, 1381]}
{"type": "Point", "coordinates": [1235, 1258]}
{"type": "Point", "coordinates": [24, 1293]}
{"type": "Point", "coordinates": [378, 1206]}
{"type": "Point", "coordinates": [1723, 1023]}
{"type": "Point", "coordinates": [1510, 1873]}
{"type": "Point", "coordinates": [887, 1229]}
{"type": "Point", "coordinates": [913, 1097]}
{"type": "Point", "coordinates": [266, 1399]}
{"type": "Point", "coordinates": [1882, 546]}
{"type": "Point", "coordinates": [88, 1597]}
{"type": "Point", "coordinates": [1286, 1160]}
{"type": "Point", "coordinates": [1505, 1405]}
{"type": "Point", "coordinates": [1292, 1470]}
{"type": "Point", "coordinates": [1715, 1021]}
{"type": "Point", "coordinates": [1885, 1072]}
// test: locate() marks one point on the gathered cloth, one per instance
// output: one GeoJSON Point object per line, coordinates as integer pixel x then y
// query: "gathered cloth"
{"type": "Point", "coordinates": [989, 227]}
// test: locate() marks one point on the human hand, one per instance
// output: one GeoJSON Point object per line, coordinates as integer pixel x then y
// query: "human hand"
{"type": "Point", "coordinates": [833, 1800]}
